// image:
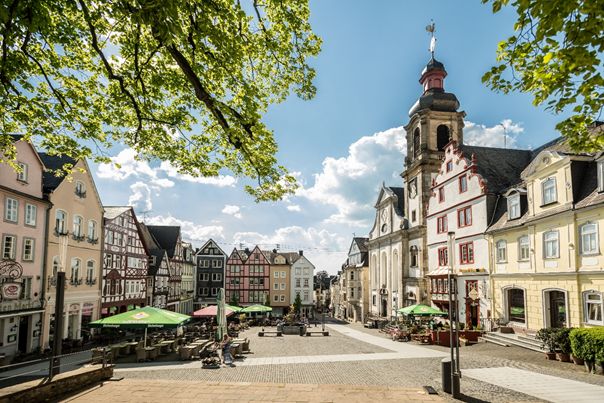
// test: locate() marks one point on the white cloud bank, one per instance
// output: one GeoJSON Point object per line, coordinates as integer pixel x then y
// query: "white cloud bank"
{"type": "Point", "coordinates": [349, 183]}
{"type": "Point", "coordinates": [499, 135]}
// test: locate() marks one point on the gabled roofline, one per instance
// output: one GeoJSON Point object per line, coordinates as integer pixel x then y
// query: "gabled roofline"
{"type": "Point", "coordinates": [206, 243]}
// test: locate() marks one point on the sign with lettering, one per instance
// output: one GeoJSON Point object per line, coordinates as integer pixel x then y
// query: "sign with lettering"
{"type": "Point", "coordinates": [11, 291]}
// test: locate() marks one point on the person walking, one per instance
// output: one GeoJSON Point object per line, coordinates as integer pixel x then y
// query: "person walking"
{"type": "Point", "coordinates": [225, 344]}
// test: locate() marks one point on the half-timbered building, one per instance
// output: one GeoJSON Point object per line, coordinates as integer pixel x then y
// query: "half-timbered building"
{"type": "Point", "coordinates": [247, 277]}
{"type": "Point", "coordinates": [168, 238]}
{"type": "Point", "coordinates": [125, 262]}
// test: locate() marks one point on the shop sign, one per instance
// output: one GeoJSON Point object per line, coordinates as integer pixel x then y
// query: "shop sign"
{"type": "Point", "coordinates": [11, 291]}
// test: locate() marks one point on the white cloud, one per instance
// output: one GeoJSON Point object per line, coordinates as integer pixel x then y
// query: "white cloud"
{"type": "Point", "coordinates": [294, 207]}
{"type": "Point", "coordinates": [220, 180]}
{"type": "Point", "coordinates": [350, 183]}
{"type": "Point", "coordinates": [140, 199]}
{"type": "Point", "coordinates": [128, 166]}
{"type": "Point", "coordinates": [190, 231]}
{"type": "Point", "coordinates": [235, 211]}
{"type": "Point", "coordinates": [480, 135]}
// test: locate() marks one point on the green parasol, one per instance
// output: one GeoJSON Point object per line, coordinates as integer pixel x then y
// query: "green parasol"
{"type": "Point", "coordinates": [143, 318]}
{"type": "Point", "coordinates": [233, 307]}
{"type": "Point", "coordinates": [257, 308]}
{"type": "Point", "coordinates": [421, 310]}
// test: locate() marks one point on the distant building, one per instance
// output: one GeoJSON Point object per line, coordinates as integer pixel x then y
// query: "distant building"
{"type": "Point", "coordinates": [356, 273]}
{"type": "Point", "coordinates": [186, 283]}
{"type": "Point", "coordinates": [302, 283]}
{"type": "Point", "coordinates": [209, 273]}
{"type": "Point", "coordinates": [247, 277]}
{"type": "Point", "coordinates": [280, 280]}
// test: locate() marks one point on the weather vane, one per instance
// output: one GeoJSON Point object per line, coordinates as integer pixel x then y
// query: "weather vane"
{"type": "Point", "coordinates": [431, 28]}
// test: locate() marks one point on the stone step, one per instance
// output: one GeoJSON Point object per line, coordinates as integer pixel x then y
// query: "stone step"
{"type": "Point", "coordinates": [492, 340]}
{"type": "Point", "coordinates": [529, 339]}
{"type": "Point", "coordinates": [517, 341]}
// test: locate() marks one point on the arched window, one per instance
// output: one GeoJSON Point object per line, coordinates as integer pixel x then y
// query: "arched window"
{"type": "Point", "coordinates": [442, 137]}
{"type": "Point", "coordinates": [80, 189]}
{"type": "Point", "coordinates": [515, 305]}
{"type": "Point", "coordinates": [589, 238]}
{"type": "Point", "coordinates": [76, 265]}
{"type": "Point", "coordinates": [502, 255]}
{"type": "Point", "coordinates": [89, 271]}
{"type": "Point", "coordinates": [77, 225]}
{"type": "Point", "coordinates": [60, 219]}
{"type": "Point", "coordinates": [416, 143]}
{"type": "Point", "coordinates": [523, 248]}
{"type": "Point", "coordinates": [91, 230]}
{"type": "Point", "coordinates": [56, 266]}
{"type": "Point", "coordinates": [413, 258]}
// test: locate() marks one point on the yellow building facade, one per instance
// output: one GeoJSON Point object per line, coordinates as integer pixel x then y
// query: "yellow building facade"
{"type": "Point", "coordinates": [546, 245]}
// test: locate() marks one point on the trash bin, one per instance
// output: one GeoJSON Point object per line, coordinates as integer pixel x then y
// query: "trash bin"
{"type": "Point", "coordinates": [445, 366]}
{"type": "Point", "coordinates": [302, 330]}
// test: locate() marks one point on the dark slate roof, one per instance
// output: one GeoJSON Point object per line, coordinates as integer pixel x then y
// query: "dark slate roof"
{"type": "Point", "coordinates": [362, 243]}
{"type": "Point", "coordinates": [166, 237]}
{"type": "Point", "coordinates": [148, 238]}
{"type": "Point", "coordinates": [159, 255]}
{"type": "Point", "coordinates": [400, 198]}
{"type": "Point", "coordinates": [437, 100]}
{"type": "Point", "coordinates": [588, 194]}
{"type": "Point", "coordinates": [433, 64]}
{"type": "Point", "coordinates": [499, 167]}
{"type": "Point", "coordinates": [53, 162]}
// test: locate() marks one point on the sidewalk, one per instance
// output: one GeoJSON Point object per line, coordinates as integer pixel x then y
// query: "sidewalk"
{"type": "Point", "coordinates": [138, 390]}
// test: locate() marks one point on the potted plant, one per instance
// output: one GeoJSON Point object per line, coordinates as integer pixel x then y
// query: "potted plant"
{"type": "Point", "coordinates": [576, 345]}
{"type": "Point", "coordinates": [547, 336]}
{"type": "Point", "coordinates": [563, 344]}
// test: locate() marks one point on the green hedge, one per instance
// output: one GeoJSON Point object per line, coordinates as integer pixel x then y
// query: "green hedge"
{"type": "Point", "coordinates": [588, 343]}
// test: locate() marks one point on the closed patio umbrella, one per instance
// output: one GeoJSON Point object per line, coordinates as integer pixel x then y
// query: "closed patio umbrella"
{"type": "Point", "coordinates": [143, 318]}
{"type": "Point", "coordinates": [220, 315]}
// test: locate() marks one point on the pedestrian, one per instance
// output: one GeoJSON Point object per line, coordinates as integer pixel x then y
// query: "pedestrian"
{"type": "Point", "coordinates": [227, 358]}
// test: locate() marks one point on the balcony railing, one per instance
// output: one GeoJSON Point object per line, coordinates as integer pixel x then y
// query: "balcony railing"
{"type": "Point", "coordinates": [78, 237]}
{"type": "Point", "coordinates": [75, 281]}
{"type": "Point", "coordinates": [91, 281]}
{"type": "Point", "coordinates": [93, 241]}
{"type": "Point", "coordinates": [59, 232]}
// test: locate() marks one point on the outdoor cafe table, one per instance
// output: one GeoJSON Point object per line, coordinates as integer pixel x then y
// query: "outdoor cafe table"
{"type": "Point", "coordinates": [164, 346]}
{"type": "Point", "coordinates": [151, 353]}
{"type": "Point", "coordinates": [126, 348]}
{"type": "Point", "coordinates": [115, 350]}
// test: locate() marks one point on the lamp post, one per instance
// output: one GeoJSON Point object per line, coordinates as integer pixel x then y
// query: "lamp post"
{"type": "Point", "coordinates": [57, 342]}
{"type": "Point", "coordinates": [453, 320]}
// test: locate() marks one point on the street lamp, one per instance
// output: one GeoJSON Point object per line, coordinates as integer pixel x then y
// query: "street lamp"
{"type": "Point", "coordinates": [57, 342]}
{"type": "Point", "coordinates": [453, 320]}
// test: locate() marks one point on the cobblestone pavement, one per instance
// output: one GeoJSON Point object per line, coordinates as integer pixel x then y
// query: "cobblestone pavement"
{"type": "Point", "coordinates": [131, 390]}
{"type": "Point", "coordinates": [400, 372]}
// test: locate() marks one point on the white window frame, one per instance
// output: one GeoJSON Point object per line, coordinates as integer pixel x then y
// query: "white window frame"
{"type": "Point", "coordinates": [205, 291]}
{"type": "Point", "coordinates": [216, 276]}
{"type": "Point", "coordinates": [22, 176]}
{"type": "Point", "coordinates": [78, 222]}
{"type": "Point", "coordinates": [205, 276]}
{"type": "Point", "coordinates": [276, 274]}
{"type": "Point", "coordinates": [522, 241]}
{"type": "Point", "coordinates": [91, 230]}
{"type": "Point", "coordinates": [90, 269]}
{"type": "Point", "coordinates": [548, 191]}
{"type": "Point", "coordinates": [11, 210]}
{"type": "Point", "coordinates": [275, 298]}
{"type": "Point", "coordinates": [587, 303]}
{"type": "Point", "coordinates": [514, 206]}
{"type": "Point", "coordinates": [283, 286]}
{"type": "Point", "coordinates": [297, 282]}
{"type": "Point", "coordinates": [586, 247]}
{"type": "Point", "coordinates": [13, 247]}
{"type": "Point", "coordinates": [214, 291]}
{"type": "Point", "coordinates": [30, 257]}
{"type": "Point", "coordinates": [61, 223]}
{"type": "Point", "coordinates": [56, 266]}
{"type": "Point", "coordinates": [31, 213]}
{"type": "Point", "coordinates": [546, 241]}
{"type": "Point", "coordinates": [501, 251]}
{"type": "Point", "coordinates": [283, 274]}
{"type": "Point", "coordinates": [275, 286]}
{"type": "Point", "coordinates": [282, 298]}
{"type": "Point", "coordinates": [601, 176]}
{"type": "Point", "coordinates": [76, 265]}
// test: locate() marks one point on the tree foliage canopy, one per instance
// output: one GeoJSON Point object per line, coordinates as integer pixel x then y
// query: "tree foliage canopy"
{"type": "Point", "coordinates": [556, 55]}
{"type": "Point", "coordinates": [184, 81]}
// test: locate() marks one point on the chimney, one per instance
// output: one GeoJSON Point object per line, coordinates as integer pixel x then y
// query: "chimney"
{"type": "Point", "coordinates": [301, 252]}
{"type": "Point", "coordinates": [247, 251]}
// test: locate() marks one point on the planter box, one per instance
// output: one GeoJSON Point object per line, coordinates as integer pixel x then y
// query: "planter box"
{"type": "Point", "coordinates": [442, 337]}
{"type": "Point", "coordinates": [292, 329]}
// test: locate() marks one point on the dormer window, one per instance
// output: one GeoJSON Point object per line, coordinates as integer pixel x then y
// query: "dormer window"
{"type": "Point", "coordinates": [80, 189]}
{"type": "Point", "coordinates": [601, 176]}
{"type": "Point", "coordinates": [514, 206]}
{"type": "Point", "coordinates": [548, 188]}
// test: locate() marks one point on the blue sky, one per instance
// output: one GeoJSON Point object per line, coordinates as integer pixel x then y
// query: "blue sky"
{"type": "Point", "coordinates": [344, 143]}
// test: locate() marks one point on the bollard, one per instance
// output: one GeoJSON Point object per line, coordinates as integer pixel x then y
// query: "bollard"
{"type": "Point", "coordinates": [445, 366]}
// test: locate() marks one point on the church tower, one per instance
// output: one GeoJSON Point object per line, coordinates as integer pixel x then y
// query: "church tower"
{"type": "Point", "coordinates": [434, 121]}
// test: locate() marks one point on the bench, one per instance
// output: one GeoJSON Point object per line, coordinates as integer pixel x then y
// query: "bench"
{"type": "Point", "coordinates": [273, 332]}
{"type": "Point", "coordinates": [319, 332]}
